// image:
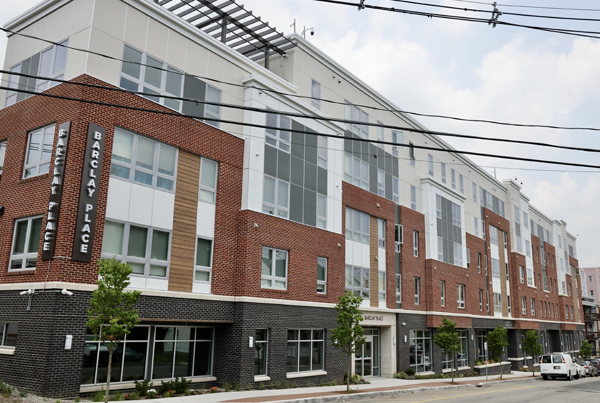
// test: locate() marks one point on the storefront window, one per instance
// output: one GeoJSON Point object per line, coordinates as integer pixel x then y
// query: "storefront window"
{"type": "Point", "coordinates": [261, 347]}
{"type": "Point", "coordinates": [481, 339]}
{"type": "Point", "coordinates": [462, 355]}
{"type": "Point", "coordinates": [305, 350]}
{"type": "Point", "coordinates": [420, 350]}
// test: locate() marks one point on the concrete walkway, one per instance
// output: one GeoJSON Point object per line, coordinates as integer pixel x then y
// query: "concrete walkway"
{"type": "Point", "coordinates": [330, 393]}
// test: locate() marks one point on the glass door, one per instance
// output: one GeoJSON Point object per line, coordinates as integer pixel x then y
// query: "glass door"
{"type": "Point", "coordinates": [366, 360]}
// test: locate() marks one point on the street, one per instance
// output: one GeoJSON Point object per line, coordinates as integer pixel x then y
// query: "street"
{"type": "Point", "coordinates": [536, 391]}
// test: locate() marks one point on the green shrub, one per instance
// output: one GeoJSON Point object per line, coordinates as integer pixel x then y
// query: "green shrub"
{"type": "Point", "coordinates": [165, 387]}
{"type": "Point", "coordinates": [23, 392]}
{"type": "Point", "coordinates": [151, 393]}
{"type": "Point", "coordinates": [410, 372]}
{"type": "Point", "coordinates": [6, 389]}
{"type": "Point", "coordinates": [271, 385]}
{"type": "Point", "coordinates": [277, 385]}
{"type": "Point", "coordinates": [308, 384]}
{"type": "Point", "coordinates": [238, 387]}
{"type": "Point", "coordinates": [248, 386]}
{"type": "Point", "coordinates": [321, 383]}
{"type": "Point", "coordinates": [227, 387]}
{"type": "Point", "coordinates": [166, 394]}
{"type": "Point", "coordinates": [180, 386]}
{"type": "Point", "coordinates": [77, 399]}
{"type": "Point", "coordinates": [98, 396]}
{"type": "Point", "coordinates": [261, 386]}
{"type": "Point", "coordinates": [117, 397]}
{"type": "Point", "coordinates": [293, 385]}
{"type": "Point", "coordinates": [142, 387]}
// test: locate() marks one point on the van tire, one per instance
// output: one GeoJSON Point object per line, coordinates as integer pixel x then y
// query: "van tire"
{"type": "Point", "coordinates": [569, 376]}
{"type": "Point", "coordinates": [545, 377]}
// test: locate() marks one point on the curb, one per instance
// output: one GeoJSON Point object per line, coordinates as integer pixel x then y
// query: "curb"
{"type": "Point", "coordinates": [487, 384]}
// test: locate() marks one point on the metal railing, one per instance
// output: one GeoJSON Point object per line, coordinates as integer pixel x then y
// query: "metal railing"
{"type": "Point", "coordinates": [591, 316]}
{"type": "Point", "coordinates": [592, 335]}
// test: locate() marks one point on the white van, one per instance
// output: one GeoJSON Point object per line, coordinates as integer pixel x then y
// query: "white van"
{"type": "Point", "coordinates": [558, 364]}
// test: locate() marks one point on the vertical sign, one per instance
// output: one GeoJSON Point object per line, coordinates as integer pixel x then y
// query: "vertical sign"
{"type": "Point", "coordinates": [88, 194]}
{"type": "Point", "coordinates": [56, 189]}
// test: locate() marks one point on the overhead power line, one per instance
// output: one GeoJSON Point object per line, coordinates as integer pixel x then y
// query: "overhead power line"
{"type": "Point", "coordinates": [271, 91]}
{"type": "Point", "coordinates": [314, 117]}
{"type": "Point", "coordinates": [249, 124]}
{"type": "Point", "coordinates": [525, 6]}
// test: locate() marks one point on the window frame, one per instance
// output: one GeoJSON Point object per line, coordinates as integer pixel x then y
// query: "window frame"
{"type": "Point", "coordinates": [398, 140]}
{"type": "Point", "coordinates": [3, 145]}
{"type": "Point", "coordinates": [443, 292]}
{"type": "Point", "coordinates": [365, 274]}
{"type": "Point", "coordinates": [474, 192]}
{"type": "Point", "coordinates": [413, 197]}
{"type": "Point", "coordinates": [206, 188]}
{"type": "Point", "coordinates": [532, 301]}
{"type": "Point", "coordinates": [411, 153]}
{"type": "Point", "coordinates": [363, 180]}
{"type": "Point", "coordinates": [11, 96]}
{"type": "Point", "coordinates": [315, 99]}
{"type": "Point", "coordinates": [321, 218]}
{"type": "Point", "coordinates": [453, 178]}
{"type": "Point", "coordinates": [480, 300]}
{"type": "Point", "coordinates": [417, 290]}
{"type": "Point", "coordinates": [461, 183]}
{"type": "Point", "coordinates": [381, 231]}
{"type": "Point", "coordinates": [461, 291]}
{"type": "Point", "coordinates": [322, 282]}
{"type": "Point", "coordinates": [40, 82]}
{"type": "Point", "coordinates": [273, 136]}
{"type": "Point", "coordinates": [381, 285]}
{"type": "Point", "coordinates": [398, 236]}
{"type": "Point", "coordinates": [357, 234]}
{"type": "Point", "coordinates": [522, 274]}
{"type": "Point", "coordinates": [4, 326]}
{"type": "Point", "coordinates": [443, 169]}
{"type": "Point", "coordinates": [277, 210]}
{"type": "Point", "coordinates": [205, 269]}
{"type": "Point", "coordinates": [322, 149]}
{"type": "Point", "coordinates": [48, 130]}
{"type": "Point", "coordinates": [360, 130]}
{"type": "Point", "coordinates": [381, 182]}
{"type": "Point", "coordinates": [430, 164]}
{"type": "Point", "coordinates": [524, 306]}
{"type": "Point", "coordinates": [23, 257]}
{"type": "Point", "coordinates": [266, 351]}
{"type": "Point", "coordinates": [273, 277]}
{"type": "Point", "coordinates": [380, 135]}
{"type": "Point", "coordinates": [312, 341]}
{"type": "Point", "coordinates": [415, 243]}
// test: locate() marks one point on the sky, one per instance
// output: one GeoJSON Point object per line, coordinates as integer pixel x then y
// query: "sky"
{"type": "Point", "coordinates": [473, 70]}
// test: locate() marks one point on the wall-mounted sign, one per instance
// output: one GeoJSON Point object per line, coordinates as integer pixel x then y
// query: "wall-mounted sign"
{"type": "Point", "coordinates": [56, 189]}
{"type": "Point", "coordinates": [88, 194]}
{"type": "Point", "coordinates": [370, 317]}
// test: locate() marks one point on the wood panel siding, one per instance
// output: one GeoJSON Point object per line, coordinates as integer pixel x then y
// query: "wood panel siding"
{"type": "Point", "coordinates": [374, 262]}
{"type": "Point", "coordinates": [183, 241]}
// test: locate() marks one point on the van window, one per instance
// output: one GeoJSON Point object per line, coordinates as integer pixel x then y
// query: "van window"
{"type": "Point", "coordinates": [546, 359]}
{"type": "Point", "coordinates": [557, 359]}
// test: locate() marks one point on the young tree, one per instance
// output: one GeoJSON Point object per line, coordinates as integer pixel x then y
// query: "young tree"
{"type": "Point", "coordinates": [585, 351]}
{"type": "Point", "coordinates": [532, 347]}
{"type": "Point", "coordinates": [111, 315]}
{"type": "Point", "coordinates": [497, 340]}
{"type": "Point", "coordinates": [348, 336]}
{"type": "Point", "coordinates": [447, 339]}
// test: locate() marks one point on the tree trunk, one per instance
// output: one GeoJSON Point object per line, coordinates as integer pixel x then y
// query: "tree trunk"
{"type": "Point", "coordinates": [110, 354]}
{"type": "Point", "coordinates": [500, 365]}
{"type": "Point", "coordinates": [349, 375]}
{"type": "Point", "coordinates": [452, 371]}
{"type": "Point", "coordinates": [533, 366]}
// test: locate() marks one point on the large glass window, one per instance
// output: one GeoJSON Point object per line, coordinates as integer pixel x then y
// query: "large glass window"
{"type": "Point", "coordinates": [145, 249]}
{"type": "Point", "coordinates": [208, 180]}
{"type": "Point", "coordinates": [315, 94]}
{"type": "Point", "coordinates": [155, 78]}
{"type": "Point", "coordinates": [26, 242]}
{"type": "Point", "coordinates": [13, 83]}
{"type": "Point", "coordinates": [357, 281]}
{"type": "Point", "coordinates": [413, 197]}
{"type": "Point", "coordinates": [355, 114]}
{"type": "Point", "coordinates": [443, 292]}
{"type": "Point", "coordinates": [398, 139]}
{"type": "Point", "coordinates": [395, 189]}
{"type": "Point", "coordinates": [203, 267]}
{"type": "Point", "coordinates": [524, 305]}
{"type": "Point", "coordinates": [182, 351]}
{"type": "Point", "coordinates": [321, 211]}
{"type": "Point", "coordinates": [497, 302]}
{"type": "Point", "coordinates": [305, 350]}
{"type": "Point", "coordinates": [276, 197]}
{"type": "Point", "coordinates": [449, 231]}
{"type": "Point", "coordinates": [261, 351]}
{"type": "Point", "coordinates": [421, 357]}
{"type": "Point", "coordinates": [52, 65]}
{"type": "Point", "coordinates": [495, 268]}
{"type": "Point", "coordinates": [8, 334]}
{"type": "Point", "coordinates": [417, 290]}
{"type": "Point", "coordinates": [460, 289]}
{"type": "Point", "coordinates": [212, 111]}
{"type": "Point", "coordinates": [321, 275]}
{"type": "Point", "coordinates": [141, 160]}
{"type": "Point", "coordinates": [357, 226]}
{"type": "Point", "coordinates": [2, 156]}
{"type": "Point", "coordinates": [356, 171]}
{"type": "Point", "coordinates": [381, 285]}
{"type": "Point", "coordinates": [380, 182]}
{"type": "Point", "coordinates": [481, 339]}
{"type": "Point", "coordinates": [274, 268]}
{"type": "Point", "coordinates": [278, 134]}
{"type": "Point", "coordinates": [322, 152]}
{"type": "Point", "coordinates": [462, 355]}
{"type": "Point", "coordinates": [39, 152]}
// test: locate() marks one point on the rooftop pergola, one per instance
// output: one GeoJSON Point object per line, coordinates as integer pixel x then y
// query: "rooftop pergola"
{"type": "Point", "coordinates": [232, 24]}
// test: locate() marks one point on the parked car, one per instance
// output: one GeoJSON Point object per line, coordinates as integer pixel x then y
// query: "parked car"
{"type": "Point", "coordinates": [559, 365]}
{"type": "Point", "coordinates": [580, 371]}
{"type": "Point", "coordinates": [596, 363]}
{"type": "Point", "coordinates": [590, 369]}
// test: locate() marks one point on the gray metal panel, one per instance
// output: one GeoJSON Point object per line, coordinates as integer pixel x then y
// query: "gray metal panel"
{"type": "Point", "coordinates": [373, 179]}
{"type": "Point", "coordinates": [389, 192]}
{"type": "Point", "coordinates": [372, 155]}
{"type": "Point", "coordinates": [395, 167]}
{"type": "Point", "coordinates": [270, 160]}
{"type": "Point", "coordinates": [348, 145]}
{"type": "Point", "coordinates": [194, 89]}
{"type": "Point", "coordinates": [322, 181]}
{"type": "Point", "coordinates": [296, 203]}
{"type": "Point", "coordinates": [398, 264]}
{"type": "Point", "coordinates": [388, 163]}
{"type": "Point", "coordinates": [310, 148]}
{"type": "Point", "coordinates": [439, 226]}
{"type": "Point", "coordinates": [357, 149]}
{"type": "Point", "coordinates": [23, 80]}
{"type": "Point", "coordinates": [33, 70]}
{"type": "Point", "coordinates": [297, 176]}
{"type": "Point", "coordinates": [310, 207]}
{"type": "Point", "coordinates": [397, 209]}
{"type": "Point", "coordinates": [380, 158]}
{"type": "Point", "coordinates": [283, 165]}
{"type": "Point", "coordinates": [365, 151]}
{"type": "Point", "coordinates": [297, 140]}
{"type": "Point", "coordinates": [310, 176]}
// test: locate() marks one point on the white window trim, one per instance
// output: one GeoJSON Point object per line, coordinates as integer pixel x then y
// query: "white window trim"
{"type": "Point", "coordinates": [298, 341]}
{"type": "Point", "coordinates": [53, 74]}
{"type": "Point", "coordinates": [380, 241]}
{"type": "Point", "coordinates": [443, 293]}
{"type": "Point", "coordinates": [204, 268]}
{"type": "Point", "coordinates": [481, 300]}
{"type": "Point", "coordinates": [381, 294]}
{"type": "Point", "coordinates": [2, 155]}
{"type": "Point", "coordinates": [381, 184]}
{"type": "Point", "coordinates": [206, 188]}
{"type": "Point", "coordinates": [524, 305]}
{"type": "Point", "coordinates": [273, 277]}
{"type": "Point", "coordinates": [208, 114]}
{"type": "Point", "coordinates": [398, 139]}
{"type": "Point", "coordinates": [365, 292]}
{"type": "Point", "coordinates": [361, 233]}
{"type": "Point", "coordinates": [398, 236]}
{"type": "Point", "coordinates": [461, 301]}
{"type": "Point", "coordinates": [322, 150]}
{"type": "Point", "coordinates": [430, 164]}
{"type": "Point", "coordinates": [415, 243]}
{"type": "Point", "coordinates": [35, 167]}
{"type": "Point", "coordinates": [23, 256]}
{"type": "Point", "coordinates": [322, 282]}
{"type": "Point", "coordinates": [265, 376]}
{"type": "Point", "coordinates": [276, 208]}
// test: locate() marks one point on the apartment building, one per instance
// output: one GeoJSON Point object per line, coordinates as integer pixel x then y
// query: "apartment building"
{"type": "Point", "coordinates": [590, 282]}
{"type": "Point", "coordinates": [245, 219]}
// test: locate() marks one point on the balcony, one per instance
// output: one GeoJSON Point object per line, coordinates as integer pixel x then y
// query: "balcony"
{"type": "Point", "coordinates": [591, 316]}
{"type": "Point", "coordinates": [592, 335]}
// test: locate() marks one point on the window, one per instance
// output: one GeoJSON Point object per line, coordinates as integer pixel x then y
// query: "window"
{"type": "Point", "coordinates": [380, 182]}
{"type": "Point", "coordinates": [411, 153]}
{"type": "Point", "coordinates": [564, 288]}
{"type": "Point", "coordinates": [276, 197]}
{"type": "Point", "coordinates": [474, 192]}
{"type": "Point", "coordinates": [487, 301]}
{"type": "Point", "coordinates": [380, 135]}
{"type": "Point", "coordinates": [315, 95]}
{"type": "Point", "coordinates": [570, 289]}
{"type": "Point", "coordinates": [397, 138]}
{"type": "Point", "coordinates": [356, 171]}
{"type": "Point", "coordinates": [495, 268]}
{"type": "Point", "coordinates": [274, 268]}
{"type": "Point", "coordinates": [203, 268]}
{"type": "Point", "coordinates": [481, 340]}
{"type": "Point", "coordinates": [357, 226]}
{"type": "Point", "coordinates": [461, 183]}
{"type": "Point", "coordinates": [321, 275]}
{"type": "Point", "coordinates": [8, 334]}
{"type": "Point", "coordinates": [398, 236]}
{"type": "Point", "coordinates": [506, 265]}
{"type": "Point", "coordinates": [508, 303]}
{"type": "Point", "coordinates": [417, 290]}
{"type": "Point", "coordinates": [382, 285]}
{"type": "Point", "coordinates": [413, 197]}
{"type": "Point", "coordinates": [138, 159]}
{"type": "Point", "coordinates": [415, 243]}
{"type": "Point", "coordinates": [532, 306]}
{"type": "Point", "coordinates": [476, 224]}
{"type": "Point", "coordinates": [182, 351]}
{"type": "Point", "coordinates": [453, 178]}
{"type": "Point", "coordinates": [462, 354]}
{"type": "Point", "coordinates": [420, 344]}
{"type": "Point", "coordinates": [398, 290]}
{"type": "Point", "coordinates": [156, 79]}
{"type": "Point", "coordinates": [572, 316]}
{"type": "Point", "coordinates": [468, 257]}
{"type": "Point", "coordinates": [395, 189]}
{"type": "Point", "coordinates": [353, 113]}
{"type": "Point", "coordinates": [430, 163]}
{"type": "Point", "coordinates": [526, 222]}
{"type": "Point", "coordinates": [278, 138]}
{"type": "Point", "coordinates": [322, 152]}
{"type": "Point", "coordinates": [481, 300]}
{"type": "Point", "coordinates": [305, 350]}
{"type": "Point", "coordinates": [145, 249]}
{"type": "Point", "coordinates": [381, 233]}
{"type": "Point", "coordinates": [26, 242]}
{"type": "Point", "coordinates": [357, 281]}
{"type": "Point", "coordinates": [449, 231]}
{"type": "Point", "coordinates": [213, 95]}
{"type": "Point", "coordinates": [443, 292]}
{"type": "Point", "coordinates": [13, 83]}
{"type": "Point", "coordinates": [524, 305]}
{"type": "Point", "coordinates": [261, 351]}
{"type": "Point", "coordinates": [52, 65]}
{"type": "Point", "coordinates": [522, 274]}
{"type": "Point", "coordinates": [493, 235]}
{"type": "Point", "coordinates": [2, 156]}
{"type": "Point", "coordinates": [39, 152]}
{"type": "Point", "coordinates": [527, 248]}
{"type": "Point", "coordinates": [478, 263]}
{"type": "Point", "coordinates": [592, 292]}
{"type": "Point", "coordinates": [566, 312]}
{"type": "Point", "coordinates": [497, 303]}
{"type": "Point", "coordinates": [518, 242]}
{"type": "Point", "coordinates": [589, 278]}
{"type": "Point", "coordinates": [461, 295]}
{"type": "Point", "coordinates": [321, 211]}
{"type": "Point", "coordinates": [443, 168]}
{"type": "Point", "coordinates": [208, 180]}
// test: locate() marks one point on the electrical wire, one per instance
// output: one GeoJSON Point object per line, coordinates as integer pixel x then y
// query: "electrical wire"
{"type": "Point", "coordinates": [369, 107]}
{"type": "Point", "coordinates": [314, 117]}
{"type": "Point", "coordinates": [524, 6]}
{"type": "Point", "coordinates": [248, 124]}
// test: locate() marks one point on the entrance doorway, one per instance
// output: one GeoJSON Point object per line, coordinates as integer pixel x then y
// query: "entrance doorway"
{"type": "Point", "coordinates": [367, 359]}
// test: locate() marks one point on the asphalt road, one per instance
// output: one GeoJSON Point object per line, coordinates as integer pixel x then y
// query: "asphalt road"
{"type": "Point", "coordinates": [550, 391]}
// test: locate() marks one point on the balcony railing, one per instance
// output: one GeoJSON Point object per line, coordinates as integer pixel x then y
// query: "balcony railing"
{"type": "Point", "coordinates": [592, 316]}
{"type": "Point", "coordinates": [592, 335]}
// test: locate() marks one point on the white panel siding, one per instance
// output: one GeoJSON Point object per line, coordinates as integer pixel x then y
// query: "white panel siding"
{"type": "Point", "coordinates": [205, 220]}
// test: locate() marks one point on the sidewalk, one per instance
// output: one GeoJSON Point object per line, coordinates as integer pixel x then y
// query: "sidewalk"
{"type": "Point", "coordinates": [332, 393]}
